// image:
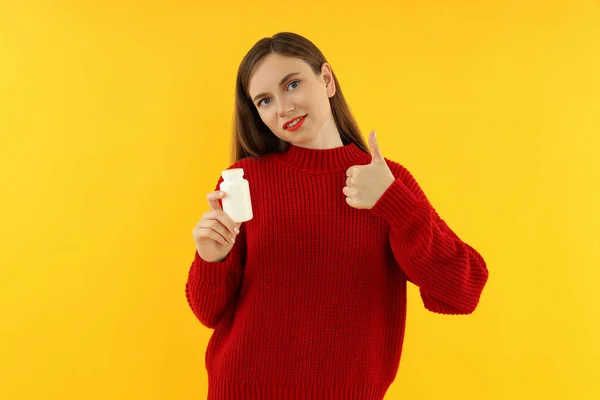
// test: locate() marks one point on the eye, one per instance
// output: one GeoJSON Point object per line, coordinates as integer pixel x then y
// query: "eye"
{"type": "Point", "coordinates": [291, 83]}
{"type": "Point", "coordinates": [260, 102]}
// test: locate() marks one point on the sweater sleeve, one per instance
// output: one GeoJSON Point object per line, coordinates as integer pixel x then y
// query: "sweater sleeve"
{"type": "Point", "coordinates": [450, 274]}
{"type": "Point", "coordinates": [212, 287]}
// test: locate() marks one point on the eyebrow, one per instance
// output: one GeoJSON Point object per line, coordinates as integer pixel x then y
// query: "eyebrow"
{"type": "Point", "coordinates": [285, 78]}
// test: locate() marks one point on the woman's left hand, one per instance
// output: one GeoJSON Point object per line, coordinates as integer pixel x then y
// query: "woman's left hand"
{"type": "Point", "coordinates": [366, 183]}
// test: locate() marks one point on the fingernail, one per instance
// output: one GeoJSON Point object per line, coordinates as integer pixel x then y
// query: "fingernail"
{"type": "Point", "coordinates": [220, 194]}
{"type": "Point", "coordinates": [236, 230]}
{"type": "Point", "coordinates": [232, 239]}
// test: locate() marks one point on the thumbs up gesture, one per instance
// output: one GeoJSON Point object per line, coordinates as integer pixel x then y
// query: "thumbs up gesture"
{"type": "Point", "coordinates": [367, 183]}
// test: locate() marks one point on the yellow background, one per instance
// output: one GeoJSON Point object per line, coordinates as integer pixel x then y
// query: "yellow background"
{"type": "Point", "coordinates": [115, 121]}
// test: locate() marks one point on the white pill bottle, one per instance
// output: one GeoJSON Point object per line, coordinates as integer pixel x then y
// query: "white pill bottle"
{"type": "Point", "coordinates": [236, 203]}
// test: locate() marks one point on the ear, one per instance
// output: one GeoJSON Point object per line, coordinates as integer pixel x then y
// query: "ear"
{"type": "Point", "coordinates": [328, 78]}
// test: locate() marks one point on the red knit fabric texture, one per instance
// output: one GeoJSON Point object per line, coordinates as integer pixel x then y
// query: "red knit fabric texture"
{"type": "Point", "coordinates": [311, 301]}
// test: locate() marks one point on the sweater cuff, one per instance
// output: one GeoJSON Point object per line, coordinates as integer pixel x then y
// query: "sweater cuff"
{"type": "Point", "coordinates": [396, 204]}
{"type": "Point", "coordinates": [212, 273]}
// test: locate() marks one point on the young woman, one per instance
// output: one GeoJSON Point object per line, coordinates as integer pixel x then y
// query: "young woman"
{"type": "Point", "coordinates": [308, 298]}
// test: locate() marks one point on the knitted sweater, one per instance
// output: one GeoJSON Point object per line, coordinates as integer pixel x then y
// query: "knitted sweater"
{"type": "Point", "coordinates": [311, 301]}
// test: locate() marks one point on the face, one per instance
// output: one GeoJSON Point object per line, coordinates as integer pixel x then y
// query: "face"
{"type": "Point", "coordinates": [283, 89]}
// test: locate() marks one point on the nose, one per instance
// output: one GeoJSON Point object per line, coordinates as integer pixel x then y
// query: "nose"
{"type": "Point", "coordinates": [284, 107]}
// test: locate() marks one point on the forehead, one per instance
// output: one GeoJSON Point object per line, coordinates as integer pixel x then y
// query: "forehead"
{"type": "Point", "coordinates": [272, 68]}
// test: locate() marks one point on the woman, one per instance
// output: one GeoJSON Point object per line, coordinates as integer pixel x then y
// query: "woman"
{"type": "Point", "coordinates": [308, 300]}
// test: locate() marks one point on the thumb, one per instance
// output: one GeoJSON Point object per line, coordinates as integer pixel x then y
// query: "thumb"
{"type": "Point", "coordinates": [375, 150]}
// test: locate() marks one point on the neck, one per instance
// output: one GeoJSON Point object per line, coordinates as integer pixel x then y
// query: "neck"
{"type": "Point", "coordinates": [328, 137]}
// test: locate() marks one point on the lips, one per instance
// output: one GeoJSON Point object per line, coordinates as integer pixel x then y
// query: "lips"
{"type": "Point", "coordinates": [292, 120]}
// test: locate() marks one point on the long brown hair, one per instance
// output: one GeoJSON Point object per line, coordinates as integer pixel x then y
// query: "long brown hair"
{"type": "Point", "coordinates": [251, 137]}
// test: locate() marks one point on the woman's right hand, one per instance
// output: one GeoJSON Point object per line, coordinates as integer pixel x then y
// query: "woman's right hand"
{"type": "Point", "coordinates": [214, 234]}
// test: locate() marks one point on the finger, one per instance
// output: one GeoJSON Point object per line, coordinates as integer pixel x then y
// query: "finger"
{"type": "Point", "coordinates": [350, 171]}
{"type": "Point", "coordinates": [348, 191]}
{"type": "Point", "coordinates": [218, 227]}
{"type": "Point", "coordinates": [349, 181]}
{"type": "Point", "coordinates": [223, 218]}
{"type": "Point", "coordinates": [238, 225]}
{"type": "Point", "coordinates": [350, 201]}
{"type": "Point", "coordinates": [375, 150]}
{"type": "Point", "coordinates": [213, 200]}
{"type": "Point", "coordinates": [210, 234]}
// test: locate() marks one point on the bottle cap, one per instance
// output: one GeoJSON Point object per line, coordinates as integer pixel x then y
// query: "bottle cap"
{"type": "Point", "coordinates": [233, 173]}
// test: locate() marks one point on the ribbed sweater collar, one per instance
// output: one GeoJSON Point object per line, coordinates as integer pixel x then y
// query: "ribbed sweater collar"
{"type": "Point", "coordinates": [323, 160]}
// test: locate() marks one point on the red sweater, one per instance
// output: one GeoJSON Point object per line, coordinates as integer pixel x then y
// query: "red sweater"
{"type": "Point", "coordinates": [311, 301]}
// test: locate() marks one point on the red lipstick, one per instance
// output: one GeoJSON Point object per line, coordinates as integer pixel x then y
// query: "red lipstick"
{"type": "Point", "coordinates": [298, 124]}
